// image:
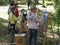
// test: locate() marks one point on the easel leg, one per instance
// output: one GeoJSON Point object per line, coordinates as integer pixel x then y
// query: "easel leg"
{"type": "Point", "coordinates": [45, 38]}
{"type": "Point", "coordinates": [52, 33]}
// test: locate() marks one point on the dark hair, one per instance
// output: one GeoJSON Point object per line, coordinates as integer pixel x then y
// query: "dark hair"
{"type": "Point", "coordinates": [12, 3]}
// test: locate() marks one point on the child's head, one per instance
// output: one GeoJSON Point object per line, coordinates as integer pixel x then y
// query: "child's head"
{"type": "Point", "coordinates": [34, 9]}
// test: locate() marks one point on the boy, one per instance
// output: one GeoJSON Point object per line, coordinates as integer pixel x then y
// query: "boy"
{"type": "Point", "coordinates": [32, 25]}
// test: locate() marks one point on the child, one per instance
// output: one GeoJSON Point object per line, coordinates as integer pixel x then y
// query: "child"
{"type": "Point", "coordinates": [23, 22]}
{"type": "Point", "coordinates": [12, 24]}
{"type": "Point", "coordinates": [32, 25]}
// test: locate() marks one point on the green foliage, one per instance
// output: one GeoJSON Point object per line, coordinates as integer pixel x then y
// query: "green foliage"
{"type": "Point", "coordinates": [19, 0]}
{"type": "Point", "coordinates": [49, 3]}
{"type": "Point", "coordinates": [58, 14]}
{"type": "Point", "coordinates": [48, 0]}
{"type": "Point", "coordinates": [57, 8]}
{"type": "Point", "coordinates": [26, 1]}
{"type": "Point", "coordinates": [56, 3]}
{"type": "Point", "coordinates": [4, 2]}
{"type": "Point", "coordinates": [2, 25]}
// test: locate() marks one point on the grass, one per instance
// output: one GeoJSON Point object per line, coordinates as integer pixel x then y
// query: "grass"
{"type": "Point", "coordinates": [3, 29]}
{"type": "Point", "coordinates": [49, 42]}
{"type": "Point", "coordinates": [3, 26]}
{"type": "Point", "coordinates": [5, 38]}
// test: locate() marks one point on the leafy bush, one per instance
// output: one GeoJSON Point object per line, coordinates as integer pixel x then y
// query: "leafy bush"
{"type": "Point", "coordinates": [4, 2]}
{"type": "Point", "coordinates": [57, 8]}
{"type": "Point", "coordinates": [57, 13]}
{"type": "Point", "coordinates": [50, 3]}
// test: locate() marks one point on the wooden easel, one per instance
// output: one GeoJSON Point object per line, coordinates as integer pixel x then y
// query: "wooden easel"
{"type": "Point", "coordinates": [45, 38]}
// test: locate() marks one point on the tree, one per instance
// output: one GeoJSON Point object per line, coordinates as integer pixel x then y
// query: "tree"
{"type": "Point", "coordinates": [57, 13]}
{"type": "Point", "coordinates": [56, 3]}
{"type": "Point", "coordinates": [4, 2]}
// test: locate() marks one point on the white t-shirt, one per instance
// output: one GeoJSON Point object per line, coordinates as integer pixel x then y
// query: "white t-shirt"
{"type": "Point", "coordinates": [32, 20]}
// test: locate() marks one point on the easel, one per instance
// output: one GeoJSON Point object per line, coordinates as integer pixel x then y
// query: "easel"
{"type": "Point", "coordinates": [45, 38]}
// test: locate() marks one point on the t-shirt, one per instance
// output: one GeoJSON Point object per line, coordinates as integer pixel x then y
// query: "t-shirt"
{"type": "Point", "coordinates": [12, 18]}
{"type": "Point", "coordinates": [32, 20]}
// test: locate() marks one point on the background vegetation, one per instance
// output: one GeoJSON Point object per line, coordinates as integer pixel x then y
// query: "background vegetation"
{"type": "Point", "coordinates": [55, 18]}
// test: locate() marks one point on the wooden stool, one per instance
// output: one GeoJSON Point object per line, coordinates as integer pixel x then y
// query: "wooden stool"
{"type": "Point", "coordinates": [20, 39]}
